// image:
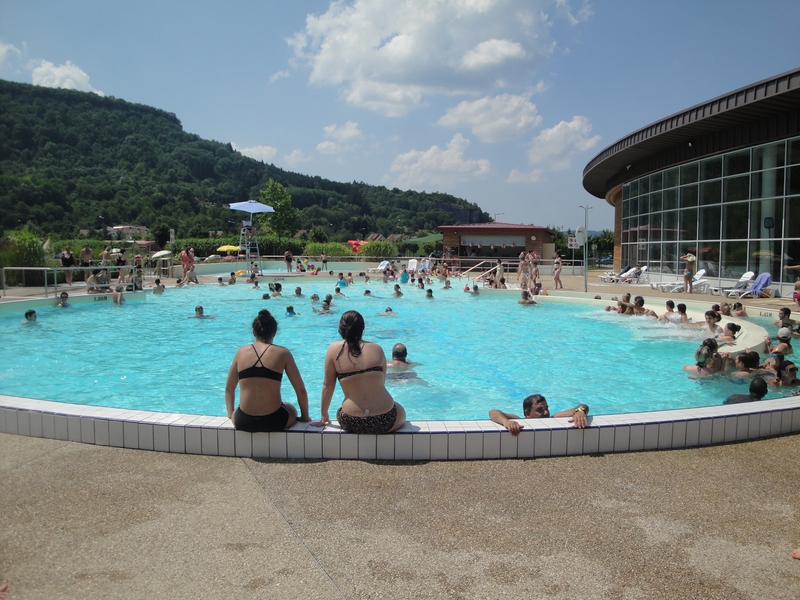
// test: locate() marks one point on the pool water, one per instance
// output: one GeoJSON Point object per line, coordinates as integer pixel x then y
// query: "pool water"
{"type": "Point", "coordinates": [474, 353]}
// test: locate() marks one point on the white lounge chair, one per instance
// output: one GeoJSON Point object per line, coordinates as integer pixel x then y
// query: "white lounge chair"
{"type": "Point", "coordinates": [743, 284]}
{"type": "Point", "coordinates": [633, 276]}
{"type": "Point", "coordinates": [412, 265]}
{"type": "Point", "coordinates": [380, 268]}
{"type": "Point", "coordinates": [677, 286]}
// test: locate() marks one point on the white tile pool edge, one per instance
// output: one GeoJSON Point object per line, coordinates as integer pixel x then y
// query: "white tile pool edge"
{"type": "Point", "coordinates": [416, 440]}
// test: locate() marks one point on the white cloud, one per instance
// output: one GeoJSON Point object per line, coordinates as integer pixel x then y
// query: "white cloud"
{"type": "Point", "coordinates": [556, 146]}
{"type": "Point", "coordinates": [296, 158]}
{"type": "Point", "coordinates": [492, 53]}
{"type": "Point", "coordinates": [525, 177]}
{"type": "Point", "coordinates": [328, 147]}
{"type": "Point", "coordinates": [494, 119]}
{"type": "Point", "coordinates": [263, 153]}
{"type": "Point", "coordinates": [343, 133]}
{"type": "Point", "coordinates": [388, 56]}
{"type": "Point", "coordinates": [278, 75]}
{"type": "Point", "coordinates": [438, 167]}
{"type": "Point", "coordinates": [8, 53]}
{"type": "Point", "coordinates": [67, 76]}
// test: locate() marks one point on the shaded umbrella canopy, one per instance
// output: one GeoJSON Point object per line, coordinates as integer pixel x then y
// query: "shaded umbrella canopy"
{"type": "Point", "coordinates": [162, 254]}
{"type": "Point", "coordinates": [252, 206]}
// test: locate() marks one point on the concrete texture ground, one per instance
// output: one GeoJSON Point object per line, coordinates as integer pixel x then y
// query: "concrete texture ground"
{"type": "Point", "coordinates": [81, 521]}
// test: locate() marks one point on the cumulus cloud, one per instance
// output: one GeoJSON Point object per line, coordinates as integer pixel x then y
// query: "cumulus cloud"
{"type": "Point", "coordinates": [8, 53]}
{"type": "Point", "coordinates": [556, 146]}
{"type": "Point", "coordinates": [494, 119]}
{"type": "Point", "coordinates": [296, 158]}
{"type": "Point", "coordinates": [278, 75]}
{"type": "Point", "coordinates": [67, 76]}
{"type": "Point", "coordinates": [517, 176]}
{"type": "Point", "coordinates": [388, 56]}
{"type": "Point", "coordinates": [340, 138]}
{"type": "Point", "coordinates": [492, 53]}
{"type": "Point", "coordinates": [437, 166]}
{"type": "Point", "coordinates": [262, 153]}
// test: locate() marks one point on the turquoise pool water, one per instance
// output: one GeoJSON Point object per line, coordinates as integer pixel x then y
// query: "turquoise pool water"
{"type": "Point", "coordinates": [474, 353]}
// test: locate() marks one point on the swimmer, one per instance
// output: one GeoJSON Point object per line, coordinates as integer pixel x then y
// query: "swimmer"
{"type": "Point", "coordinates": [276, 288]}
{"type": "Point", "coordinates": [199, 313]}
{"type": "Point", "coordinates": [254, 281]}
{"type": "Point", "coordinates": [329, 299]}
{"type": "Point", "coordinates": [388, 312]}
{"type": "Point", "coordinates": [341, 282]}
{"type": "Point", "coordinates": [298, 292]}
{"type": "Point", "coordinates": [526, 298]}
{"type": "Point", "coordinates": [290, 312]}
{"type": "Point", "coordinates": [266, 296]}
{"type": "Point", "coordinates": [219, 281]}
{"type": "Point", "coordinates": [447, 285]}
{"type": "Point", "coordinates": [744, 364]}
{"type": "Point", "coordinates": [324, 310]}
{"type": "Point", "coordinates": [429, 294]}
{"type": "Point", "coordinates": [338, 292]}
{"type": "Point", "coordinates": [758, 389]}
{"type": "Point", "coordinates": [637, 308]}
{"type": "Point", "coordinates": [785, 318]}
{"type": "Point", "coordinates": [158, 288]}
{"type": "Point", "coordinates": [63, 300]}
{"type": "Point", "coordinates": [707, 360]}
{"type": "Point", "coordinates": [366, 278]}
{"type": "Point", "coordinates": [400, 368]}
{"type": "Point", "coordinates": [117, 296]}
{"type": "Point", "coordinates": [232, 278]}
{"type": "Point", "coordinates": [738, 310]}
{"type": "Point", "coordinates": [710, 323]}
{"type": "Point", "coordinates": [398, 293]}
{"type": "Point", "coordinates": [349, 279]}
{"type": "Point", "coordinates": [368, 293]}
{"type": "Point", "coordinates": [784, 345]}
{"type": "Point", "coordinates": [725, 309]}
{"type": "Point", "coordinates": [30, 317]}
{"type": "Point", "coordinates": [728, 334]}
{"type": "Point", "coordinates": [786, 375]}
{"type": "Point", "coordinates": [670, 315]}
{"type": "Point", "coordinates": [179, 283]}
{"type": "Point", "coordinates": [535, 407]}
{"type": "Point", "coordinates": [314, 297]}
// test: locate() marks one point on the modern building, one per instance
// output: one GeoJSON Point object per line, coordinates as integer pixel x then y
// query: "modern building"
{"type": "Point", "coordinates": [720, 180]}
{"type": "Point", "coordinates": [497, 240]}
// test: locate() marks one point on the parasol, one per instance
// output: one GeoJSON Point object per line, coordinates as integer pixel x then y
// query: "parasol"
{"type": "Point", "coordinates": [162, 254]}
{"type": "Point", "coordinates": [228, 248]}
{"type": "Point", "coordinates": [251, 206]}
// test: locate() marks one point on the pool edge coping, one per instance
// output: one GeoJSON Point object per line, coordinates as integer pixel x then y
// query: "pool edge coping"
{"type": "Point", "coordinates": [415, 441]}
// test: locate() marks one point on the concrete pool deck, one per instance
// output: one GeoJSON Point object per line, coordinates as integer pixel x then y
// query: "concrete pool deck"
{"type": "Point", "coordinates": [82, 521]}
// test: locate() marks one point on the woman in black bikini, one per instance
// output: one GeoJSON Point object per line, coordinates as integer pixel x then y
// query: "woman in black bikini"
{"type": "Point", "coordinates": [360, 368]}
{"type": "Point", "coordinates": [258, 369]}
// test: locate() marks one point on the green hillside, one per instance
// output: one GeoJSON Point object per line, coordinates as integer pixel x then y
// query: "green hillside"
{"type": "Point", "coordinates": [74, 160]}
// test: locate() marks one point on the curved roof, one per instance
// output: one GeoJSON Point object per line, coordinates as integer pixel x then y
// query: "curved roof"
{"type": "Point", "coordinates": [757, 101]}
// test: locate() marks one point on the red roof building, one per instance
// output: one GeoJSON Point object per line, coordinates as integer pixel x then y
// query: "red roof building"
{"type": "Point", "coordinates": [497, 240]}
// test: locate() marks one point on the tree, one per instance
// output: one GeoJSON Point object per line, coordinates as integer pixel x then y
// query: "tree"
{"type": "Point", "coordinates": [284, 219]}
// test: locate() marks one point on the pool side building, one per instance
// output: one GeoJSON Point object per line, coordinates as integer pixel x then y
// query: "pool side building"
{"type": "Point", "coordinates": [720, 180]}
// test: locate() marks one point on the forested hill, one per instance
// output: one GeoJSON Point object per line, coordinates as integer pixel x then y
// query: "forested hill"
{"type": "Point", "coordinates": [73, 160]}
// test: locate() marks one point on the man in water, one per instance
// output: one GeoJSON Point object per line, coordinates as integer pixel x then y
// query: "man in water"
{"type": "Point", "coordinates": [232, 278]}
{"type": "Point", "coordinates": [199, 313]}
{"type": "Point", "coordinates": [400, 367]}
{"type": "Point", "coordinates": [30, 317]}
{"type": "Point", "coordinates": [535, 407]}
{"type": "Point", "coordinates": [758, 389]}
{"type": "Point", "coordinates": [158, 288]}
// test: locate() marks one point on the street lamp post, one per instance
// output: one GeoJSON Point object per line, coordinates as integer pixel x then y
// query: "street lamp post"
{"type": "Point", "coordinates": [586, 210]}
{"type": "Point", "coordinates": [497, 215]}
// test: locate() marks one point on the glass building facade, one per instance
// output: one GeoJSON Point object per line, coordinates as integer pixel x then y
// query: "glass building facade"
{"type": "Point", "coordinates": [736, 211]}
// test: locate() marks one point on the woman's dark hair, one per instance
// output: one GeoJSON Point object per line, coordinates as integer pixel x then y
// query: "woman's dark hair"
{"type": "Point", "coordinates": [749, 360]}
{"type": "Point", "coordinates": [671, 304]}
{"type": "Point", "coordinates": [705, 352]}
{"type": "Point", "coordinates": [734, 328]}
{"type": "Point", "coordinates": [351, 328]}
{"type": "Point", "coordinates": [278, 287]}
{"type": "Point", "coordinates": [264, 326]}
{"type": "Point", "coordinates": [681, 308]}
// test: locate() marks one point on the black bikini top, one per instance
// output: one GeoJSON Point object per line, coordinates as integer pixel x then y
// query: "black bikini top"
{"type": "Point", "coordinates": [258, 369]}
{"type": "Point", "coordinates": [341, 376]}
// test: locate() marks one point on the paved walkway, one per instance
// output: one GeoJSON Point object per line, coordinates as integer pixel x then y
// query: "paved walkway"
{"type": "Point", "coordinates": [81, 521]}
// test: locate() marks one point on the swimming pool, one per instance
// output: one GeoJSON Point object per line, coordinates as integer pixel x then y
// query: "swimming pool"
{"type": "Point", "coordinates": [474, 353]}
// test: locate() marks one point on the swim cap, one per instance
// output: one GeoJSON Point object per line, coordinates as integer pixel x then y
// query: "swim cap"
{"type": "Point", "coordinates": [784, 333]}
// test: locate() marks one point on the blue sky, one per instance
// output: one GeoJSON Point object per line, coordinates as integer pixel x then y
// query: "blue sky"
{"type": "Point", "coordinates": [499, 102]}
